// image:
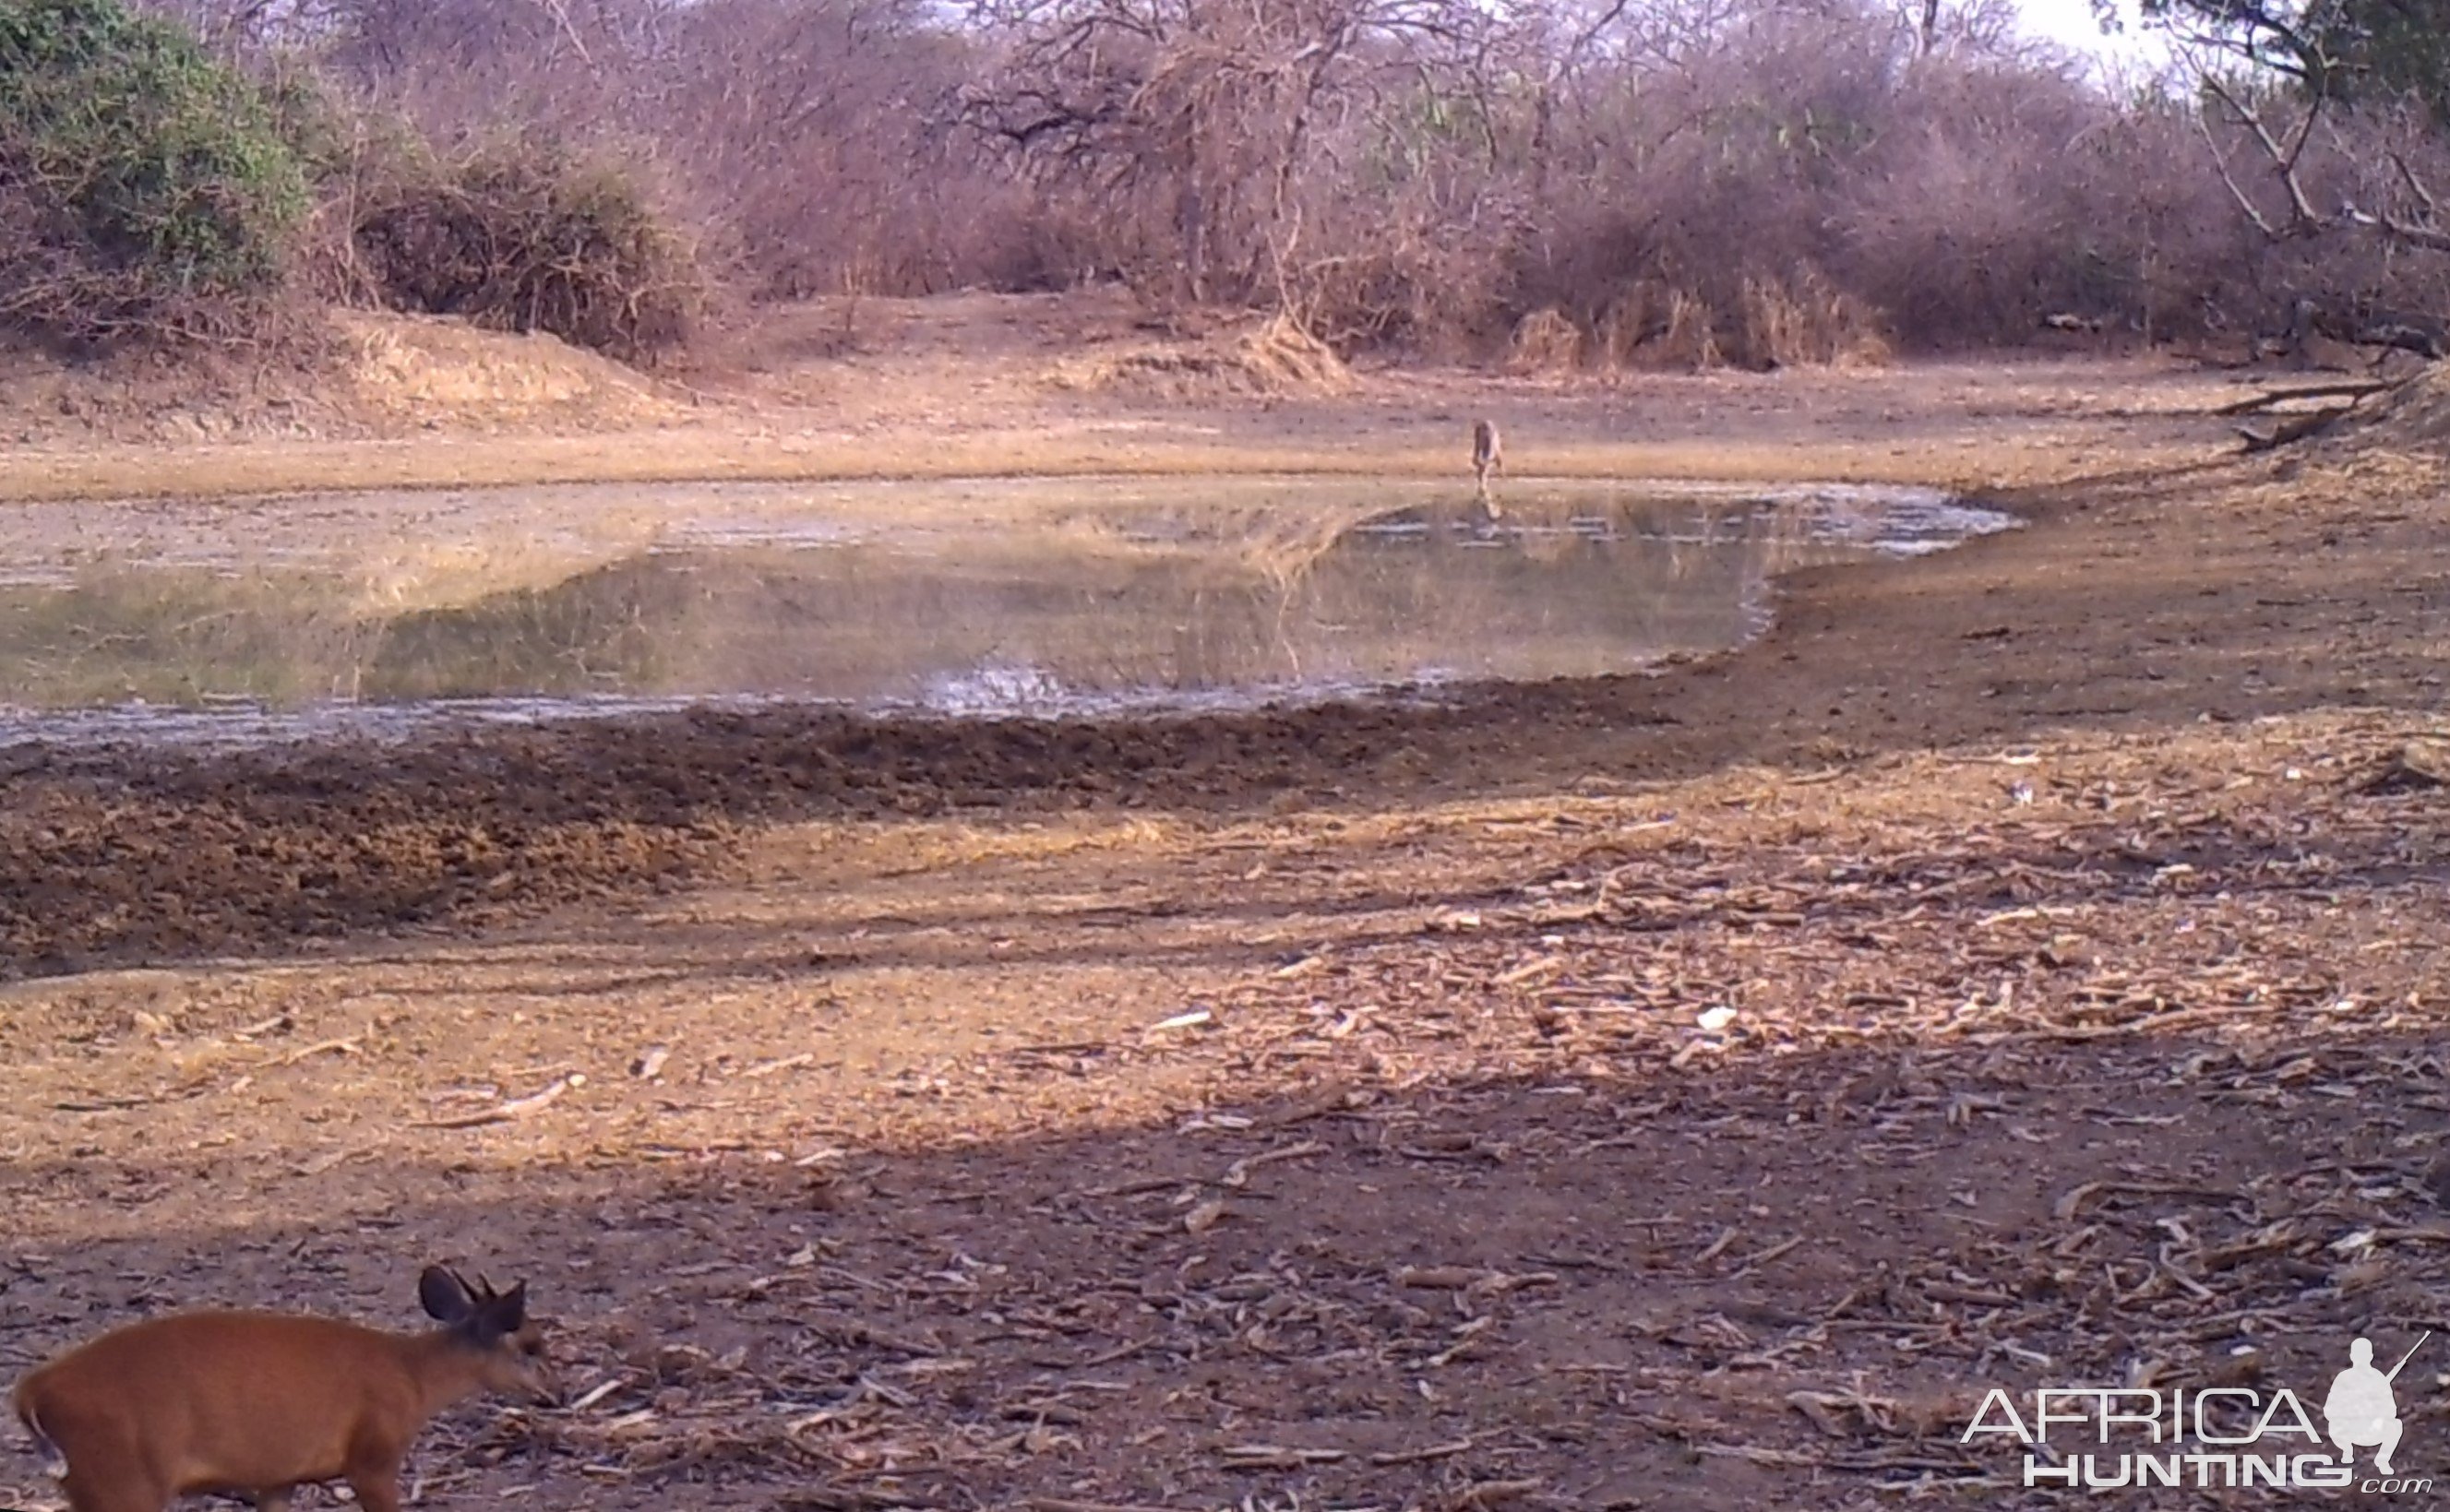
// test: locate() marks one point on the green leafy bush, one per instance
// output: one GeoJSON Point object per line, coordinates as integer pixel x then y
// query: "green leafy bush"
{"type": "Point", "coordinates": [143, 188]}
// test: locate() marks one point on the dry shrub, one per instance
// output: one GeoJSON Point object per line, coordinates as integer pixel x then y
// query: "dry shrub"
{"type": "Point", "coordinates": [522, 235]}
{"type": "Point", "coordinates": [820, 135]}
{"type": "Point", "coordinates": [1278, 356]}
{"type": "Point", "coordinates": [1398, 276]}
{"type": "Point", "coordinates": [1966, 192]}
{"type": "Point", "coordinates": [1965, 196]}
{"type": "Point", "coordinates": [1414, 294]}
{"type": "Point", "coordinates": [1630, 319]}
{"type": "Point", "coordinates": [1805, 320]}
{"type": "Point", "coordinates": [1691, 338]}
{"type": "Point", "coordinates": [1286, 358]}
{"type": "Point", "coordinates": [1658, 326]}
{"type": "Point", "coordinates": [1544, 342]}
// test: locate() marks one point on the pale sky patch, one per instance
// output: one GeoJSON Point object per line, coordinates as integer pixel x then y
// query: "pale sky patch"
{"type": "Point", "coordinates": [2071, 24]}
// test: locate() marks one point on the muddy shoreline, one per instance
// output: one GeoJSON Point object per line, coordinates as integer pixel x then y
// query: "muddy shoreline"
{"type": "Point", "coordinates": [127, 855]}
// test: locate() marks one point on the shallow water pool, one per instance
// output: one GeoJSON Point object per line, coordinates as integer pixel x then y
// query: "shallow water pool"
{"type": "Point", "coordinates": [253, 619]}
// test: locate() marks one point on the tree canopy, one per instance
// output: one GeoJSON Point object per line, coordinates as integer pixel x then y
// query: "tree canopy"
{"type": "Point", "coordinates": [2351, 50]}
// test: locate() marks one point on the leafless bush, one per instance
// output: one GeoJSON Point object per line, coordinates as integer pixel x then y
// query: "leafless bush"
{"type": "Point", "coordinates": [2345, 218]}
{"type": "Point", "coordinates": [1681, 182]}
{"type": "Point", "coordinates": [821, 133]}
{"type": "Point", "coordinates": [1934, 195]}
{"type": "Point", "coordinates": [827, 131]}
{"type": "Point", "coordinates": [1253, 153]}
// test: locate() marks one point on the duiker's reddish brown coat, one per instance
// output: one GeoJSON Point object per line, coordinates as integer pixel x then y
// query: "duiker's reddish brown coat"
{"type": "Point", "coordinates": [255, 1404]}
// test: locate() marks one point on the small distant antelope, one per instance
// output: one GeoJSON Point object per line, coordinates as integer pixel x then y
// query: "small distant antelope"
{"type": "Point", "coordinates": [1486, 453]}
{"type": "Point", "coordinates": [258, 1403]}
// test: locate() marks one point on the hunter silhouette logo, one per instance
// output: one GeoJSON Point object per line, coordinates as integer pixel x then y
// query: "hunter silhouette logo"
{"type": "Point", "coordinates": [2361, 1411]}
{"type": "Point", "coordinates": [2210, 1437]}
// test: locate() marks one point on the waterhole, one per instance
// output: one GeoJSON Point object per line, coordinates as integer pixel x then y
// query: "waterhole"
{"type": "Point", "coordinates": [262, 618]}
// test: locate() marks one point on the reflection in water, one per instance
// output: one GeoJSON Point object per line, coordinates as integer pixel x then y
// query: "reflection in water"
{"type": "Point", "coordinates": [1570, 583]}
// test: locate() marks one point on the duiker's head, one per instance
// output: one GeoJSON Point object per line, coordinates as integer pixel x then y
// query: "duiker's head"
{"type": "Point", "coordinates": [506, 1345]}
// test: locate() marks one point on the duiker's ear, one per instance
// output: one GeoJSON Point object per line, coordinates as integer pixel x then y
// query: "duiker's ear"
{"type": "Point", "coordinates": [510, 1310]}
{"type": "Point", "coordinates": [445, 1295]}
{"type": "Point", "coordinates": [498, 1314]}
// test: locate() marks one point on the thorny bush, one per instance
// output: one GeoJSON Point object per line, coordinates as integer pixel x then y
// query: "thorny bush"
{"type": "Point", "coordinates": [525, 235]}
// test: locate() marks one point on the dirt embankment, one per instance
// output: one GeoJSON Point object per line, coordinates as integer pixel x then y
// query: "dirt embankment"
{"type": "Point", "coordinates": [1002, 385]}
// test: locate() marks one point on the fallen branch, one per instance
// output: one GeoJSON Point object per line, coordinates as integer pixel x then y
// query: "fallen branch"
{"type": "Point", "coordinates": [504, 1112]}
{"type": "Point", "coordinates": [2357, 388]}
{"type": "Point", "coordinates": [330, 1047]}
{"type": "Point", "coordinates": [1277, 1457]}
{"type": "Point", "coordinates": [1489, 1493]}
{"type": "Point", "coordinates": [1422, 1456]}
{"type": "Point", "coordinates": [2293, 427]}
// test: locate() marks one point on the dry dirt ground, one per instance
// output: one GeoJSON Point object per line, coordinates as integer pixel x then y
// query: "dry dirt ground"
{"type": "Point", "coordinates": [2021, 968]}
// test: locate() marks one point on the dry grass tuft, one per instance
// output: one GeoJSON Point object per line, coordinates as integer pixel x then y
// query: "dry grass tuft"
{"type": "Point", "coordinates": [422, 368]}
{"type": "Point", "coordinates": [1546, 342]}
{"type": "Point", "coordinates": [1805, 320]}
{"type": "Point", "coordinates": [1794, 320]}
{"type": "Point", "coordinates": [1277, 355]}
{"type": "Point", "coordinates": [1286, 358]}
{"type": "Point", "coordinates": [1660, 326]}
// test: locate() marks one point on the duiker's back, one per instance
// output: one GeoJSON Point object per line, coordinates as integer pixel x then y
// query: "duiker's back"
{"type": "Point", "coordinates": [226, 1398]}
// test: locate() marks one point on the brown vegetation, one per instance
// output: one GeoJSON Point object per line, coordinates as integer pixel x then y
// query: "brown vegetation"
{"type": "Point", "coordinates": [1802, 320]}
{"type": "Point", "coordinates": [1544, 341]}
{"type": "Point", "coordinates": [522, 236]}
{"type": "Point", "coordinates": [1681, 184]}
{"type": "Point", "coordinates": [1271, 356]}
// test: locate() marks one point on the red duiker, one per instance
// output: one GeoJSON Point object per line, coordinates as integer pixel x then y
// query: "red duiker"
{"type": "Point", "coordinates": [255, 1404]}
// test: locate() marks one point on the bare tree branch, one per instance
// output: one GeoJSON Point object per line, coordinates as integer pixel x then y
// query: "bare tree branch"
{"type": "Point", "coordinates": [2397, 228]}
{"type": "Point", "coordinates": [2284, 159]}
{"type": "Point", "coordinates": [2287, 160]}
{"type": "Point", "coordinates": [2415, 186]}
